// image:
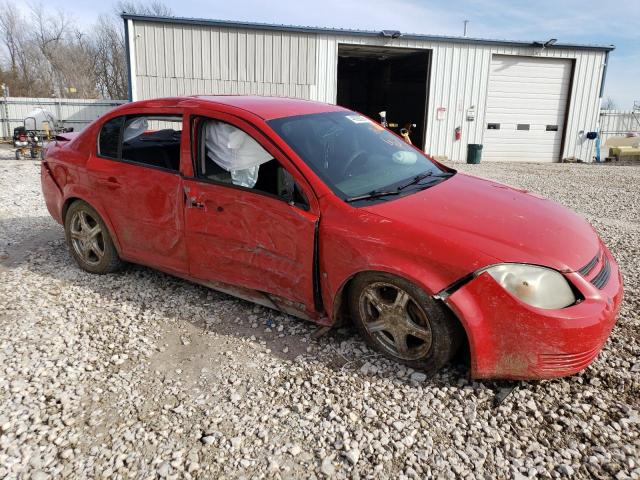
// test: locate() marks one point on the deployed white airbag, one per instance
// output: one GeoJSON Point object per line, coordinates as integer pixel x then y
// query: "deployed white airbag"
{"type": "Point", "coordinates": [235, 151]}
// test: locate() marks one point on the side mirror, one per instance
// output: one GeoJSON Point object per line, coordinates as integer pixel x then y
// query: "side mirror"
{"type": "Point", "coordinates": [286, 185]}
{"type": "Point", "coordinates": [290, 192]}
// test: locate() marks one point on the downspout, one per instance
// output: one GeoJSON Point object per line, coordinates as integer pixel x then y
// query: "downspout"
{"type": "Point", "coordinates": [604, 77]}
{"type": "Point", "coordinates": [604, 73]}
{"type": "Point", "coordinates": [129, 52]}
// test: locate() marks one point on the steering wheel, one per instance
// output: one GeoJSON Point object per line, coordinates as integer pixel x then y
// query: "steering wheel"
{"type": "Point", "coordinates": [351, 160]}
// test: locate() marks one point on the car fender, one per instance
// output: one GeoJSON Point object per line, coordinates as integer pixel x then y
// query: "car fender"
{"type": "Point", "coordinates": [351, 262]}
{"type": "Point", "coordinates": [351, 244]}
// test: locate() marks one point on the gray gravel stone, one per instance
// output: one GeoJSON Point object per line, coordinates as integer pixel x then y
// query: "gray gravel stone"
{"type": "Point", "coordinates": [137, 373]}
{"type": "Point", "coordinates": [164, 469]}
{"type": "Point", "coordinates": [327, 467]}
{"type": "Point", "coordinates": [352, 455]}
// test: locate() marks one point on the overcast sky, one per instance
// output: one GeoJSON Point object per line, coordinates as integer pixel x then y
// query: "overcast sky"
{"type": "Point", "coordinates": [602, 22]}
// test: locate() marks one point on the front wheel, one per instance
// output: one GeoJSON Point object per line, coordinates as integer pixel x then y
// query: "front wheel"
{"type": "Point", "coordinates": [404, 323]}
{"type": "Point", "coordinates": [89, 240]}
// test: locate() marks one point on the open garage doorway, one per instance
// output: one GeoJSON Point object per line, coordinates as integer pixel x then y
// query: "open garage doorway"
{"type": "Point", "coordinates": [372, 79]}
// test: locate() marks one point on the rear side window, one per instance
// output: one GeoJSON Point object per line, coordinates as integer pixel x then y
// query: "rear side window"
{"type": "Point", "coordinates": [110, 138]}
{"type": "Point", "coordinates": [149, 140]}
{"type": "Point", "coordinates": [153, 141]}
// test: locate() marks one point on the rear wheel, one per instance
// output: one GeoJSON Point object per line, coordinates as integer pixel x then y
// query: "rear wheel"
{"type": "Point", "coordinates": [404, 323]}
{"type": "Point", "coordinates": [89, 241]}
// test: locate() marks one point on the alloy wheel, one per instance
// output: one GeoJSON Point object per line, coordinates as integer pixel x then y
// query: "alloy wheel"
{"type": "Point", "coordinates": [395, 320]}
{"type": "Point", "coordinates": [87, 237]}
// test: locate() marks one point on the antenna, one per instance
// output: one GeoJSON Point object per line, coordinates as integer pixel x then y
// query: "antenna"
{"type": "Point", "coordinates": [466, 22]}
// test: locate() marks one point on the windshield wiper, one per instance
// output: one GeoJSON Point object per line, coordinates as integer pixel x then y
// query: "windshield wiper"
{"type": "Point", "coordinates": [372, 194]}
{"type": "Point", "coordinates": [384, 193]}
{"type": "Point", "coordinates": [418, 178]}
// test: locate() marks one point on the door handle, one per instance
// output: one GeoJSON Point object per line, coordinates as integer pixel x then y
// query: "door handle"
{"type": "Point", "coordinates": [192, 202]}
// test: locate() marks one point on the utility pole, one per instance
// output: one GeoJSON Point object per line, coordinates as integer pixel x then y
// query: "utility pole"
{"type": "Point", "coordinates": [5, 111]}
{"type": "Point", "coordinates": [466, 22]}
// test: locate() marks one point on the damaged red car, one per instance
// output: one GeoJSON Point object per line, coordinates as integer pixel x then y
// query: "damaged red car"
{"type": "Point", "coordinates": [319, 212]}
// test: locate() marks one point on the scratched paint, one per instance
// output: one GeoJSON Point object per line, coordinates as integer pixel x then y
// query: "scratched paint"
{"type": "Point", "coordinates": [261, 248]}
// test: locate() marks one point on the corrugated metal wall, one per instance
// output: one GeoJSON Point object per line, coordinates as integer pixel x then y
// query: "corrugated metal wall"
{"type": "Point", "coordinates": [459, 80]}
{"type": "Point", "coordinates": [173, 59]}
{"type": "Point", "coordinates": [70, 112]}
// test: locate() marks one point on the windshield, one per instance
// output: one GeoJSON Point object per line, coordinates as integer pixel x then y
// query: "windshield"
{"type": "Point", "coordinates": [354, 155]}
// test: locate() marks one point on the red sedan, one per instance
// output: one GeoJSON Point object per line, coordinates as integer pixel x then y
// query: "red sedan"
{"type": "Point", "coordinates": [317, 211]}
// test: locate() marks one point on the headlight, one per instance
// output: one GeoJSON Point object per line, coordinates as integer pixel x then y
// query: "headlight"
{"type": "Point", "coordinates": [537, 286]}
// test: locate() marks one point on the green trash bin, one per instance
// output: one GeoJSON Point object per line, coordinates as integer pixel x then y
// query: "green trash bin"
{"type": "Point", "coordinates": [474, 153]}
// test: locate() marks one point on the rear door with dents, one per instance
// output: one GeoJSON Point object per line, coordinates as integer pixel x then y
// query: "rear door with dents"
{"type": "Point", "coordinates": [143, 199]}
{"type": "Point", "coordinates": [245, 237]}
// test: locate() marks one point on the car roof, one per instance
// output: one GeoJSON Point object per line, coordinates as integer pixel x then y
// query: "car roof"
{"type": "Point", "coordinates": [272, 107]}
{"type": "Point", "coordinates": [267, 108]}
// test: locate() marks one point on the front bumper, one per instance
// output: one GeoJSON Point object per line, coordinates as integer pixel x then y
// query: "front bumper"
{"type": "Point", "coordinates": [509, 339]}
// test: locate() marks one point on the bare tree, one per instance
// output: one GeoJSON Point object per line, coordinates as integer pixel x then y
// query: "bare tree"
{"type": "Point", "coordinates": [52, 34]}
{"type": "Point", "coordinates": [11, 28]}
{"type": "Point", "coordinates": [153, 7]}
{"type": "Point", "coordinates": [608, 104]}
{"type": "Point", "coordinates": [110, 67]}
{"type": "Point", "coordinates": [46, 54]}
{"type": "Point", "coordinates": [23, 58]}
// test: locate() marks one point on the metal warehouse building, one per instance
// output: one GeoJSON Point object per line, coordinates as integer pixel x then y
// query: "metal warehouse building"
{"type": "Point", "coordinates": [523, 101]}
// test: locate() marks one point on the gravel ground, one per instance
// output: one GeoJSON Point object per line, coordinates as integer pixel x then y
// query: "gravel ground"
{"type": "Point", "coordinates": [139, 374]}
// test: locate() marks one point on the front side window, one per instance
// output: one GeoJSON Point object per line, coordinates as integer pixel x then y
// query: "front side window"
{"type": "Point", "coordinates": [234, 154]}
{"type": "Point", "coordinates": [229, 155]}
{"type": "Point", "coordinates": [357, 157]}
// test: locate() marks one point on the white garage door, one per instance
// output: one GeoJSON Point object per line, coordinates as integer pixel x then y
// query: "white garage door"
{"type": "Point", "coordinates": [526, 108]}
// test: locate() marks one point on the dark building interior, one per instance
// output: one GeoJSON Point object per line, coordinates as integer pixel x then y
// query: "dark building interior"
{"type": "Point", "coordinates": [373, 79]}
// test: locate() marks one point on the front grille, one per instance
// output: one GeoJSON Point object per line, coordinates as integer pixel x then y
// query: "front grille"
{"type": "Point", "coordinates": [600, 280]}
{"type": "Point", "coordinates": [584, 271]}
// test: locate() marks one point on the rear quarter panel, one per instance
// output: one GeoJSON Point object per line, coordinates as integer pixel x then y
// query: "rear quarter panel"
{"type": "Point", "coordinates": [64, 177]}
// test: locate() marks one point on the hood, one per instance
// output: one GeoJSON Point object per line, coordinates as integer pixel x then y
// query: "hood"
{"type": "Point", "coordinates": [505, 223]}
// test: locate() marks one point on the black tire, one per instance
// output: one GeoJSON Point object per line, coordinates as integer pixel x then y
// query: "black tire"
{"type": "Point", "coordinates": [18, 155]}
{"type": "Point", "coordinates": [437, 333]}
{"type": "Point", "coordinates": [89, 242]}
